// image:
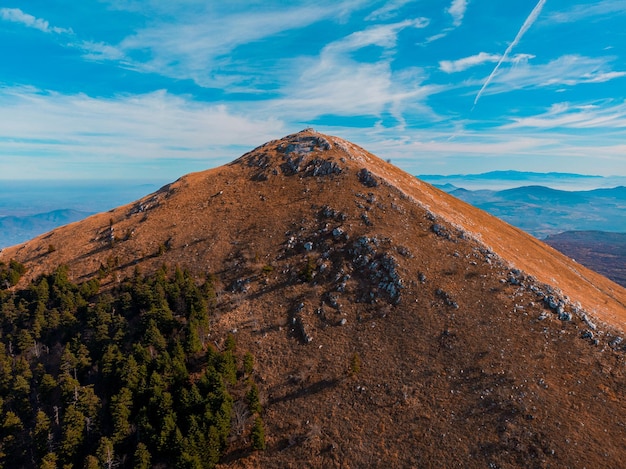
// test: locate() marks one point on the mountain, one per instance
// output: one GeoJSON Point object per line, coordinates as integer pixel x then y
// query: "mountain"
{"type": "Point", "coordinates": [601, 251]}
{"type": "Point", "coordinates": [15, 229]}
{"type": "Point", "coordinates": [543, 211]}
{"type": "Point", "coordinates": [391, 324]}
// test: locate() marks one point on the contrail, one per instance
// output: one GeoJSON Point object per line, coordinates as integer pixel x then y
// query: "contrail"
{"type": "Point", "coordinates": [527, 24]}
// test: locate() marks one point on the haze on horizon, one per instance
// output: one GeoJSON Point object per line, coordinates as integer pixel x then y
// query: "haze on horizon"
{"type": "Point", "coordinates": [151, 90]}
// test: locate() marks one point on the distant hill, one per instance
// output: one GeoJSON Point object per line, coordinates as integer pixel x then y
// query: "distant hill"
{"type": "Point", "coordinates": [16, 229]}
{"type": "Point", "coordinates": [601, 251]}
{"type": "Point", "coordinates": [542, 211]}
{"type": "Point", "coordinates": [390, 324]}
{"type": "Point", "coordinates": [499, 180]}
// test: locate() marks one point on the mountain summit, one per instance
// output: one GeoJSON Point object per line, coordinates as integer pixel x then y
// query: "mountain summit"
{"type": "Point", "coordinates": [392, 324]}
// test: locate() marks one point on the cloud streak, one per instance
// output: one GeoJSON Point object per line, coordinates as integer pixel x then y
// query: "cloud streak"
{"type": "Point", "coordinates": [565, 115]}
{"type": "Point", "coordinates": [15, 15]}
{"type": "Point", "coordinates": [604, 8]}
{"type": "Point", "coordinates": [387, 11]}
{"type": "Point", "coordinates": [460, 65]}
{"type": "Point", "coordinates": [525, 27]}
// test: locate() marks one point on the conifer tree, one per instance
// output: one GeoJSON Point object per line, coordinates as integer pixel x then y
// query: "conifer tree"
{"type": "Point", "coordinates": [258, 434]}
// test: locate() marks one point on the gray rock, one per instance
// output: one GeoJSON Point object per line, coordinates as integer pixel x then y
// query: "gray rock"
{"type": "Point", "coordinates": [367, 178]}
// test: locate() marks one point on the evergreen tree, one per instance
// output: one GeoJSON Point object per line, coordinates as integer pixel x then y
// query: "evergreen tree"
{"type": "Point", "coordinates": [252, 396]}
{"type": "Point", "coordinates": [142, 457]}
{"type": "Point", "coordinates": [258, 434]}
{"type": "Point", "coordinates": [248, 363]}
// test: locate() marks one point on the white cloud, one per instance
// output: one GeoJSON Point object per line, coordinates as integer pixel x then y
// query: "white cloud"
{"type": "Point", "coordinates": [335, 84]}
{"type": "Point", "coordinates": [196, 40]}
{"type": "Point", "coordinates": [457, 11]}
{"type": "Point", "coordinates": [436, 37]}
{"type": "Point", "coordinates": [432, 151]}
{"type": "Point", "coordinates": [147, 127]}
{"type": "Point", "coordinates": [451, 66]}
{"type": "Point", "coordinates": [15, 15]}
{"type": "Point", "coordinates": [385, 36]}
{"type": "Point", "coordinates": [100, 51]}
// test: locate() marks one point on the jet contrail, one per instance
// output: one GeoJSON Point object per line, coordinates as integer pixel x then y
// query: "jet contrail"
{"type": "Point", "coordinates": [527, 24]}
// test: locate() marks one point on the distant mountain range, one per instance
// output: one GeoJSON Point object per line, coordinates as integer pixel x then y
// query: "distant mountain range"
{"type": "Point", "coordinates": [498, 180]}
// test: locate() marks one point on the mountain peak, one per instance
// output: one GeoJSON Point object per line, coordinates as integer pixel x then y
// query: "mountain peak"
{"type": "Point", "coordinates": [307, 153]}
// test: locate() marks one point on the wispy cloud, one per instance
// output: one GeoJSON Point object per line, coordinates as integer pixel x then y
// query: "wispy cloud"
{"type": "Point", "coordinates": [568, 70]}
{"type": "Point", "coordinates": [385, 36]}
{"type": "Point", "coordinates": [422, 151]}
{"type": "Point", "coordinates": [457, 11]}
{"type": "Point", "coordinates": [15, 15]}
{"type": "Point", "coordinates": [450, 66]}
{"type": "Point", "coordinates": [566, 115]}
{"type": "Point", "coordinates": [200, 46]}
{"type": "Point", "coordinates": [148, 127]}
{"type": "Point", "coordinates": [525, 27]}
{"type": "Point", "coordinates": [98, 51]}
{"type": "Point", "coordinates": [388, 10]}
{"type": "Point", "coordinates": [460, 65]}
{"type": "Point", "coordinates": [335, 84]}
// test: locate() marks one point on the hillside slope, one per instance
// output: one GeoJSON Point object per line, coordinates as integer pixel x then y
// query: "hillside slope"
{"type": "Point", "coordinates": [476, 344]}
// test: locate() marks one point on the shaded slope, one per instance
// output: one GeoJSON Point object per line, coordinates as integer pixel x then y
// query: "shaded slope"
{"type": "Point", "coordinates": [601, 251]}
{"type": "Point", "coordinates": [322, 252]}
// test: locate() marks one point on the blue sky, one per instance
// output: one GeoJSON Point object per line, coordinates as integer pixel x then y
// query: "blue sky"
{"type": "Point", "coordinates": [154, 89]}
